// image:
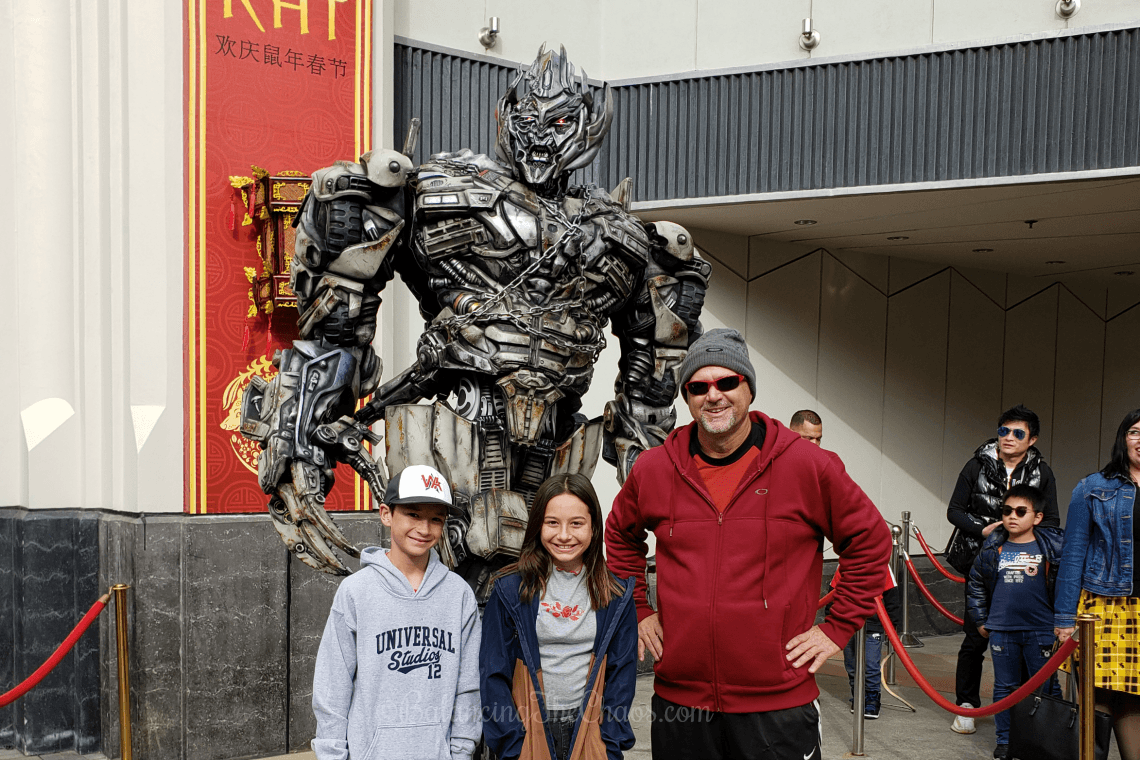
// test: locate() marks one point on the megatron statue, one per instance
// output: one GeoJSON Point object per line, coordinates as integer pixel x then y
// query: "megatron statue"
{"type": "Point", "coordinates": [516, 275]}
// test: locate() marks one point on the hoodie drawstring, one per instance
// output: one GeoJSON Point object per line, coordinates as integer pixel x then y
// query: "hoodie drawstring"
{"type": "Point", "coordinates": [673, 501]}
{"type": "Point", "coordinates": [767, 533]}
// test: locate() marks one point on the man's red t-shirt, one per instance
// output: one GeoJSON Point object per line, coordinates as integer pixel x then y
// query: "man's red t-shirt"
{"type": "Point", "coordinates": [722, 476]}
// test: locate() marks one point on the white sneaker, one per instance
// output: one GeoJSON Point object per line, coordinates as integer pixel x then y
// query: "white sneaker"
{"type": "Point", "coordinates": [963, 725]}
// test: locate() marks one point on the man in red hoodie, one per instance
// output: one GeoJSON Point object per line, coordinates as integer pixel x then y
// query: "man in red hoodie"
{"type": "Point", "coordinates": [740, 506]}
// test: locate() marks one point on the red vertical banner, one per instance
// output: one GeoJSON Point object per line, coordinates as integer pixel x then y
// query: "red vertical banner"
{"type": "Point", "coordinates": [274, 90]}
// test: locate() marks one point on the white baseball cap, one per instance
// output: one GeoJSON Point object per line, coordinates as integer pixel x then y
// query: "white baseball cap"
{"type": "Point", "coordinates": [419, 484]}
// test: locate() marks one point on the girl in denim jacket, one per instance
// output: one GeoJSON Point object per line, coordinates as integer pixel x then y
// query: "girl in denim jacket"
{"type": "Point", "coordinates": [1099, 575]}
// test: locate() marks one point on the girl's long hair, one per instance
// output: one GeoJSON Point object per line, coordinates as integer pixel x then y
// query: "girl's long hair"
{"type": "Point", "coordinates": [1118, 465]}
{"type": "Point", "coordinates": [534, 564]}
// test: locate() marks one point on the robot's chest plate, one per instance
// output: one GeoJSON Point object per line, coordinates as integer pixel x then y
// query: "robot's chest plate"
{"type": "Point", "coordinates": [503, 229]}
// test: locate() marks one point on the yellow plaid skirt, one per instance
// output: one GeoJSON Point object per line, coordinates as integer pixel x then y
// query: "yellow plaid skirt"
{"type": "Point", "coordinates": [1117, 640]}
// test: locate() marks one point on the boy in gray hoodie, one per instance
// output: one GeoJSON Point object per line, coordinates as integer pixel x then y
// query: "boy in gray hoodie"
{"type": "Point", "coordinates": [397, 671]}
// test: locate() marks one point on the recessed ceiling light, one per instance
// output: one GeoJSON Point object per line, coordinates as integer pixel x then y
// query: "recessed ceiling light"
{"type": "Point", "coordinates": [983, 250]}
{"type": "Point", "coordinates": [899, 237]}
{"type": "Point", "coordinates": [1124, 273]}
{"type": "Point", "coordinates": [804, 222]}
{"type": "Point", "coordinates": [1055, 261]}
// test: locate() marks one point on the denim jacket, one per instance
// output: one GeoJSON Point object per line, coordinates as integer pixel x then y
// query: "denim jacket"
{"type": "Point", "coordinates": [1098, 552]}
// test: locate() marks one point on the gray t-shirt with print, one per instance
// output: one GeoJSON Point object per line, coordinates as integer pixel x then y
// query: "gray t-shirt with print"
{"type": "Point", "coordinates": [566, 627]}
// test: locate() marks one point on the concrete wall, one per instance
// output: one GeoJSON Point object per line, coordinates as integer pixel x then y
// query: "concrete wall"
{"type": "Point", "coordinates": [91, 145]}
{"type": "Point", "coordinates": [911, 363]}
{"type": "Point", "coordinates": [643, 38]}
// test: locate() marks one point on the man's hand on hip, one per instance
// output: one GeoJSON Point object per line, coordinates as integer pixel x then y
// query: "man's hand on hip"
{"type": "Point", "coordinates": [651, 637]}
{"type": "Point", "coordinates": [811, 646]}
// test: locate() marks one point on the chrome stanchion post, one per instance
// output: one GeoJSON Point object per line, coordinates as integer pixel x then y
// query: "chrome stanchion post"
{"type": "Point", "coordinates": [1086, 626]}
{"type": "Point", "coordinates": [860, 691]}
{"type": "Point", "coordinates": [896, 531]}
{"type": "Point", "coordinates": [909, 640]}
{"type": "Point", "coordinates": [124, 671]}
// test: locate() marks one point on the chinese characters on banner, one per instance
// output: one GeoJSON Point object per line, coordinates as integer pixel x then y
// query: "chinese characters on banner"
{"type": "Point", "coordinates": [284, 87]}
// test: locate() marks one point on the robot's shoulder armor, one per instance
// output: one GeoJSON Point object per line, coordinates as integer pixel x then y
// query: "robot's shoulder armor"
{"type": "Point", "coordinates": [387, 167]}
{"type": "Point", "coordinates": [673, 248]}
{"type": "Point", "coordinates": [454, 183]}
{"type": "Point", "coordinates": [672, 240]}
{"type": "Point", "coordinates": [344, 178]}
{"type": "Point", "coordinates": [618, 228]}
{"type": "Point", "coordinates": [462, 163]}
{"type": "Point", "coordinates": [377, 168]}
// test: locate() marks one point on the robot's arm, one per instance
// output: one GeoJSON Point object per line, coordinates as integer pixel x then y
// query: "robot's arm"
{"type": "Point", "coordinates": [655, 329]}
{"type": "Point", "coordinates": [349, 232]}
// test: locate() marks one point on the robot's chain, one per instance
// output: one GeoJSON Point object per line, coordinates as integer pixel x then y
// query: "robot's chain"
{"type": "Point", "coordinates": [573, 232]}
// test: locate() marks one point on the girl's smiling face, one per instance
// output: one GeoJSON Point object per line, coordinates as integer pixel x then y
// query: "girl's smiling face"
{"type": "Point", "coordinates": [566, 531]}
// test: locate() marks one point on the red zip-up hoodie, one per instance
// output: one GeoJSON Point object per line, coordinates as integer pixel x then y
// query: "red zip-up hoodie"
{"type": "Point", "coordinates": [734, 587]}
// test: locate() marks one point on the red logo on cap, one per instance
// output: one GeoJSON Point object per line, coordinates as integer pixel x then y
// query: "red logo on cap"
{"type": "Point", "coordinates": [431, 481]}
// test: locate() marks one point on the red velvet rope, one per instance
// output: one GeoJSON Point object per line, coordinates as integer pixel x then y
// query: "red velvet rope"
{"type": "Point", "coordinates": [32, 680]}
{"type": "Point", "coordinates": [934, 560]}
{"type": "Point", "coordinates": [826, 598]}
{"type": "Point", "coordinates": [926, 592]}
{"type": "Point", "coordinates": [1021, 693]}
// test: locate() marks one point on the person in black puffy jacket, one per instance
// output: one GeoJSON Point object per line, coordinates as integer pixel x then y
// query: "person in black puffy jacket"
{"type": "Point", "coordinates": [975, 510]}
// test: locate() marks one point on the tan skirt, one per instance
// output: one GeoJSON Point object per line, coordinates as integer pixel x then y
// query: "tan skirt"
{"type": "Point", "coordinates": [1117, 640]}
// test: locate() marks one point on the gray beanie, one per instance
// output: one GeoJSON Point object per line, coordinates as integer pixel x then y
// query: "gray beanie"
{"type": "Point", "coordinates": [722, 347]}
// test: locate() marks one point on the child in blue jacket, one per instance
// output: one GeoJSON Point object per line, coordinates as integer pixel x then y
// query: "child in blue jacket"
{"type": "Point", "coordinates": [559, 638]}
{"type": "Point", "coordinates": [1010, 596]}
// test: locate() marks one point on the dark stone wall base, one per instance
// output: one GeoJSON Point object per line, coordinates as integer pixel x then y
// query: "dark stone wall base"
{"type": "Point", "coordinates": [48, 581]}
{"type": "Point", "coordinates": [223, 629]}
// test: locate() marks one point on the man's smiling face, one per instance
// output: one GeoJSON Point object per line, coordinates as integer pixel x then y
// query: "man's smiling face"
{"type": "Point", "coordinates": [719, 413]}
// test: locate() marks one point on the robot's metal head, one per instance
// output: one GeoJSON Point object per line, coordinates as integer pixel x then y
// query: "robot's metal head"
{"type": "Point", "coordinates": [551, 122]}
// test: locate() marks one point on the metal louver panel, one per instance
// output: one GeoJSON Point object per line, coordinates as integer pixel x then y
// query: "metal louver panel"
{"type": "Point", "coordinates": [1059, 104]}
{"type": "Point", "coordinates": [1047, 105]}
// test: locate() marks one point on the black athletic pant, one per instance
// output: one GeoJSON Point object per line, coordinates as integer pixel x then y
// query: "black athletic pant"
{"type": "Point", "coordinates": [686, 733]}
{"type": "Point", "coordinates": [968, 678]}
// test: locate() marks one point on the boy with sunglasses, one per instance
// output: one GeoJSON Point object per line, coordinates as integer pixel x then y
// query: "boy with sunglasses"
{"type": "Point", "coordinates": [1010, 596]}
{"type": "Point", "coordinates": [975, 511]}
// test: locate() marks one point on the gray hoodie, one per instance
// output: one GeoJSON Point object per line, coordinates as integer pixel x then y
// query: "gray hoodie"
{"type": "Point", "coordinates": [398, 672]}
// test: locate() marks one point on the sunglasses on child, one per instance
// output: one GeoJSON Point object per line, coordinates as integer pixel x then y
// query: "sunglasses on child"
{"type": "Point", "coordinates": [1007, 510]}
{"type": "Point", "coordinates": [724, 385]}
{"type": "Point", "coordinates": [1018, 433]}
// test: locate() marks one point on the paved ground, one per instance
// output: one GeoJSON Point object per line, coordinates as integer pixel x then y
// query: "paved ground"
{"type": "Point", "coordinates": [901, 734]}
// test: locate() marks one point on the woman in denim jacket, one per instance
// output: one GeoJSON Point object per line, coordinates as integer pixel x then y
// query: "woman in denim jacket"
{"type": "Point", "coordinates": [1099, 575]}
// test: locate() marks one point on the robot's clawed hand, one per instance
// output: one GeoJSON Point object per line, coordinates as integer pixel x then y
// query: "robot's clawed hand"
{"type": "Point", "coordinates": [300, 454]}
{"type": "Point", "coordinates": [630, 428]}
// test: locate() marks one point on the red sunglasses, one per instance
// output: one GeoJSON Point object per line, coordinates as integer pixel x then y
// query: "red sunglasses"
{"type": "Point", "coordinates": [724, 385]}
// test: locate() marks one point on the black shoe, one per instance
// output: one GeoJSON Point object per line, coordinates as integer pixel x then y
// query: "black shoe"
{"type": "Point", "coordinates": [1001, 752]}
{"type": "Point", "coordinates": [871, 707]}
